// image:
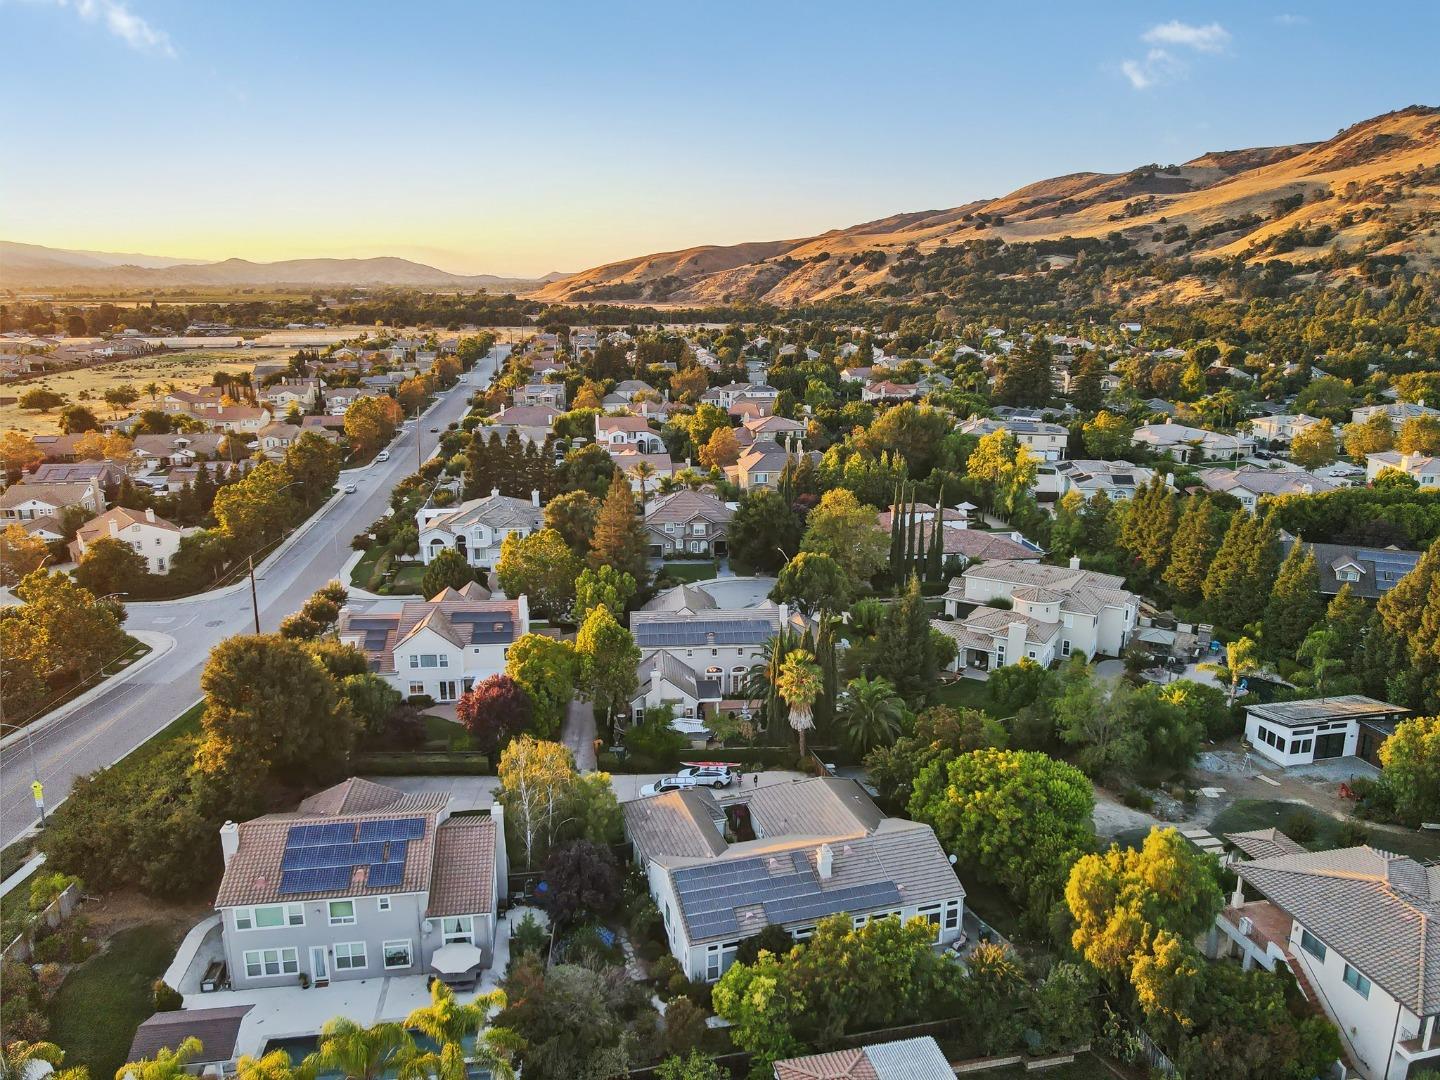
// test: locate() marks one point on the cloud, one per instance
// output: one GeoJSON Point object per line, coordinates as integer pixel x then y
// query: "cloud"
{"type": "Point", "coordinates": [134, 30]}
{"type": "Point", "coordinates": [1164, 61]}
{"type": "Point", "coordinates": [1211, 38]}
{"type": "Point", "coordinates": [1291, 20]}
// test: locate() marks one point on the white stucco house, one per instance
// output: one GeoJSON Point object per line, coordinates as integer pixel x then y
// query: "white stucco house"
{"type": "Point", "coordinates": [476, 528]}
{"type": "Point", "coordinates": [153, 538]}
{"type": "Point", "coordinates": [619, 432]}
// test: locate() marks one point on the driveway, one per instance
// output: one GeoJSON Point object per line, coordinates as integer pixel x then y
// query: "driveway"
{"type": "Point", "coordinates": [129, 711]}
{"type": "Point", "coordinates": [578, 733]}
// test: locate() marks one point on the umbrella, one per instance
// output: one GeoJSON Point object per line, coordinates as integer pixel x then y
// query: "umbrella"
{"type": "Point", "coordinates": [456, 959]}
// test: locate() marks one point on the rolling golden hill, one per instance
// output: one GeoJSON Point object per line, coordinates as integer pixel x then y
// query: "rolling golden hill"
{"type": "Point", "coordinates": [1374, 186]}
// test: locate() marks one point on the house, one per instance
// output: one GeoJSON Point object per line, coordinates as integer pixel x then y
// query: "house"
{"type": "Point", "coordinates": [726, 396]}
{"type": "Point", "coordinates": [1048, 442]}
{"type": "Point", "coordinates": [361, 881]}
{"type": "Point", "coordinates": [1055, 612]}
{"type": "Point", "coordinates": [1251, 483]}
{"type": "Point", "coordinates": [759, 466]}
{"type": "Point", "coordinates": [722, 644]}
{"type": "Point", "coordinates": [1359, 929]}
{"type": "Point", "coordinates": [1421, 468]}
{"type": "Point", "coordinates": [1118, 480]}
{"type": "Point", "coordinates": [533, 423]}
{"type": "Point", "coordinates": [906, 1059]}
{"type": "Point", "coordinates": [303, 394]}
{"type": "Point", "coordinates": [722, 866]}
{"type": "Point", "coordinates": [476, 528]}
{"type": "Point", "coordinates": [857, 374]}
{"type": "Point", "coordinates": [1316, 729]}
{"type": "Point", "coordinates": [627, 390]}
{"type": "Point", "coordinates": [661, 679]}
{"type": "Point", "coordinates": [1396, 411]}
{"type": "Point", "coordinates": [643, 470]}
{"type": "Point", "coordinates": [687, 521]}
{"type": "Point", "coordinates": [613, 432]}
{"type": "Point", "coordinates": [777, 429]}
{"type": "Point", "coordinates": [1182, 442]}
{"type": "Point", "coordinates": [110, 473]}
{"type": "Point", "coordinates": [25, 501]}
{"type": "Point", "coordinates": [237, 418]}
{"type": "Point", "coordinates": [165, 451]}
{"type": "Point", "coordinates": [339, 399]}
{"type": "Point", "coordinates": [551, 395]}
{"type": "Point", "coordinates": [274, 439]}
{"type": "Point", "coordinates": [439, 647]}
{"type": "Point", "coordinates": [885, 390]}
{"type": "Point", "coordinates": [1370, 572]}
{"type": "Point", "coordinates": [153, 538]}
{"type": "Point", "coordinates": [1282, 428]}
{"type": "Point", "coordinates": [218, 1030]}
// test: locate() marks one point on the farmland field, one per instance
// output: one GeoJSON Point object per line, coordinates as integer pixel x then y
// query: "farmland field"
{"type": "Point", "coordinates": [186, 370]}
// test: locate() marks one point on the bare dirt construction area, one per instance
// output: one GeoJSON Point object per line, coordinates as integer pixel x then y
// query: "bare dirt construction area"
{"type": "Point", "coordinates": [186, 370]}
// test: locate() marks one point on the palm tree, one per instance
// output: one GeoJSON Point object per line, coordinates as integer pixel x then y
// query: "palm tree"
{"type": "Point", "coordinates": [642, 471]}
{"type": "Point", "coordinates": [450, 1023]}
{"type": "Point", "coordinates": [870, 713]}
{"type": "Point", "coordinates": [1240, 660]}
{"type": "Point", "coordinates": [16, 1059]}
{"type": "Point", "coordinates": [361, 1053]}
{"type": "Point", "coordinates": [275, 1065]}
{"type": "Point", "coordinates": [166, 1065]}
{"type": "Point", "coordinates": [153, 389]}
{"type": "Point", "coordinates": [799, 684]}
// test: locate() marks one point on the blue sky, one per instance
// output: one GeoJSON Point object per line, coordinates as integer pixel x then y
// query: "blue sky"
{"type": "Point", "coordinates": [529, 137]}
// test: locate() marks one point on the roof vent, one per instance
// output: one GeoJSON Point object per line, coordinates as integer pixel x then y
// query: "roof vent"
{"type": "Point", "coordinates": [825, 862]}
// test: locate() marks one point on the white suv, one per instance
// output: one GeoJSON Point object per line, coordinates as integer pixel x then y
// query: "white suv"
{"type": "Point", "coordinates": [669, 783]}
{"type": "Point", "coordinates": [711, 775]}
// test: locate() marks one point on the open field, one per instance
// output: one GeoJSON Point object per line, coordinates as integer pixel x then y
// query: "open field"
{"type": "Point", "coordinates": [186, 370]}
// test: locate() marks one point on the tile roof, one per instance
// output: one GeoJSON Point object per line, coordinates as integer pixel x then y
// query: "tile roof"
{"type": "Point", "coordinates": [455, 616]}
{"type": "Point", "coordinates": [1379, 910]}
{"type": "Point", "coordinates": [685, 824]}
{"type": "Point", "coordinates": [463, 881]}
{"type": "Point", "coordinates": [217, 1030]}
{"type": "Point", "coordinates": [98, 528]}
{"type": "Point", "coordinates": [836, 1065]}
{"type": "Point", "coordinates": [1380, 568]}
{"type": "Point", "coordinates": [496, 511]}
{"type": "Point", "coordinates": [905, 1059]}
{"type": "Point", "coordinates": [60, 494]}
{"type": "Point", "coordinates": [1264, 843]}
{"type": "Point", "coordinates": [682, 598]}
{"type": "Point", "coordinates": [997, 620]}
{"type": "Point", "coordinates": [685, 506]}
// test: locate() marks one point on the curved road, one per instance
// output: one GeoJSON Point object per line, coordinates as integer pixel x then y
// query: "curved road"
{"type": "Point", "coordinates": [126, 713]}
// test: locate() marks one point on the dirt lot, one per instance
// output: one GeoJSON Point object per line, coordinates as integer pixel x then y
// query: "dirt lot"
{"type": "Point", "coordinates": [186, 370]}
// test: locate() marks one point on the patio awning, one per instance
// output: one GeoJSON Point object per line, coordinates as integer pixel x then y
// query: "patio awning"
{"type": "Point", "coordinates": [456, 959]}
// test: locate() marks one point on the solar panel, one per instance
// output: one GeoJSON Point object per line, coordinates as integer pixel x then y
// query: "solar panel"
{"type": "Point", "coordinates": [319, 879]}
{"type": "Point", "coordinates": [385, 875]}
{"type": "Point", "coordinates": [392, 829]}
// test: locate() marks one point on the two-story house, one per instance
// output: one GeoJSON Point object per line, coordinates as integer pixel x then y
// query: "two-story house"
{"type": "Point", "coordinates": [1118, 480]}
{"type": "Point", "coordinates": [1048, 442]}
{"type": "Point", "coordinates": [1370, 572]}
{"type": "Point", "coordinates": [551, 395]}
{"type": "Point", "coordinates": [1191, 443]}
{"type": "Point", "coordinates": [617, 432]}
{"type": "Point", "coordinates": [723, 866]}
{"type": "Point", "coordinates": [1359, 929]}
{"type": "Point", "coordinates": [721, 644]}
{"type": "Point", "coordinates": [1249, 483]}
{"type": "Point", "coordinates": [440, 647]}
{"type": "Point", "coordinates": [1422, 468]}
{"type": "Point", "coordinates": [1281, 429]}
{"type": "Point", "coordinates": [476, 528]}
{"type": "Point", "coordinates": [154, 539]}
{"type": "Point", "coordinates": [687, 521]}
{"type": "Point", "coordinates": [24, 501]}
{"type": "Point", "coordinates": [533, 423]}
{"type": "Point", "coordinates": [361, 881]}
{"type": "Point", "coordinates": [1055, 612]}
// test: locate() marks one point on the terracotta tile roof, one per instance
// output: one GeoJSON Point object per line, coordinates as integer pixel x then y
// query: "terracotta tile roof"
{"type": "Point", "coordinates": [905, 1059]}
{"type": "Point", "coordinates": [836, 1065]}
{"type": "Point", "coordinates": [1264, 843]}
{"type": "Point", "coordinates": [98, 528]}
{"type": "Point", "coordinates": [464, 877]}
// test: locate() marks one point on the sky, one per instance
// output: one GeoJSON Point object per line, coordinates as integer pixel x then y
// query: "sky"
{"type": "Point", "coordinates": [539, 136]}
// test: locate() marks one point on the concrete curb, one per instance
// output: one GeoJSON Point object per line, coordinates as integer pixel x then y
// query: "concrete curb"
{"type": "Point", "coordinates": [160, 644]}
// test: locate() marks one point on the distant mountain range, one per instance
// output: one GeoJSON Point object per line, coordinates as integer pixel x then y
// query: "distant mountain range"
{"type": "Point", "coordinates": [34, 266]}
{"type": "Point", "coordinates": [1375, 184]}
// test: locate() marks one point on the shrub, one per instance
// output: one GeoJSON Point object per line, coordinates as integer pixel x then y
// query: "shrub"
{"type": "Point", "coordinates": [774, 939]}
{"type": "Point", "coordinates": [421, 701]}
{"type": "Point", "coordinates": [1137, 799]}
{"type": "Point", "coordinates": [1299, 826]}
{"type": "Point", "coordinates": [1353, 834]}
{"type": "Point", "coordinates": [167, 998]}
{"type": "Point", "coordinates": [528, 938]}
{"type": "Point", "coordinates": [665, 971]}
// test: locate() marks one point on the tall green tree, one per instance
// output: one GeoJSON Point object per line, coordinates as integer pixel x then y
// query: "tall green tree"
{"type": "Point", "coordinates": [608, 658]}
{"type": "Point", "coordinates": [541, 566]}
{"type": "Point", "coordinates": [1192, 549]}
{"type": "Point", "coordinates": [764, 532]}
{"type": "Point", "coordinates": [619, 539]}
{"type": "Point", "coordinates": [547, 669]}
{"type": "Point", "coordinates": [799, 684]}
{"type": "Point", "coordinates": [1295, 602]}
{"type": "Point", "coordinates": [871, 714]}
{"type": "Point", "coordinates": [903, 651]}
{"type": "Point", "coordinates": [1237, 585]}
{"type": "Point", "coordinates": [447, 570]}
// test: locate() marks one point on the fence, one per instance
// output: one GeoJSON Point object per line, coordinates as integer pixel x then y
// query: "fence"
{"type": "Point", "coordinates": [1153, 1056]}
{"type": "Point", "coordinates": [55, 913]}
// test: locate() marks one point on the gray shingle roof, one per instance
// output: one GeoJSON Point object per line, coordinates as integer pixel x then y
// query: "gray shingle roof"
{"type": "Point", "coordinates": [217, 1030]}
{"type": "Point", "coordinates": [1379, 910]}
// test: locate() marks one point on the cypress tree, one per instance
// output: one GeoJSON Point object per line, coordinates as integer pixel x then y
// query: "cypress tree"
{"type": "Point", "coordinates": [1192, 549]}
{"type": "Point", "coordinates": [934, 563]}
{"type": "Point", "coordinates": [897, 515]}
{"type": "Point", "coordinates": [1294, 605]}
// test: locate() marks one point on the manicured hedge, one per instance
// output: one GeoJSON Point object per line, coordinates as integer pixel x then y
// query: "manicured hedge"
{"type": "Point", "coordinates": [446, 763]}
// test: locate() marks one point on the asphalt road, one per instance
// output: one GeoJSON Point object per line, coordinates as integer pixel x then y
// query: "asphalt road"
{"type": "Point", "coordinates": [125, 714]}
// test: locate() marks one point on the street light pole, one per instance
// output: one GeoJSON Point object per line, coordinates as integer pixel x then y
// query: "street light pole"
{"type": "Point", "coordinates": [254, 600]}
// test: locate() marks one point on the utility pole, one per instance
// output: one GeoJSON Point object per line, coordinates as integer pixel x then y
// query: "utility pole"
{"type": "Point", "coordinates": [254, 602]}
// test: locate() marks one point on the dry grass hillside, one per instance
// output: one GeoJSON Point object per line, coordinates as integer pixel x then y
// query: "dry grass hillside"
{"type": "Point", "coordinates": [1374, 186]}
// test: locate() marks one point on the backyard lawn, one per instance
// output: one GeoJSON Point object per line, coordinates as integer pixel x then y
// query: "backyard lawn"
{"type": "Point", "coordinates": [95, 1012]}
{"type": "Point", "coordinates": [689, 571]}
{"type": "Point", "coordinates": [1245, 815]}
{"type": "Point", "coordinates": [965, 694]}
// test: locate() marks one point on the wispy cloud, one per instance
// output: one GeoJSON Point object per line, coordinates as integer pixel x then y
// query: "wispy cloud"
{"type": "Point", "coordinates": [115, 15]}
{"type": "Point", "coordinates": [1291, 20]}
{"type": "Point", "coordinates": [1211, 38]}
{"type": "Point", "coordinates": [1164, 61]}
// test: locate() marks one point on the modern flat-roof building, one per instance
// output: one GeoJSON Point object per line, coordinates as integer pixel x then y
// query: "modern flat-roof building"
{"type": "Point", "coordinates": [1300, 732]}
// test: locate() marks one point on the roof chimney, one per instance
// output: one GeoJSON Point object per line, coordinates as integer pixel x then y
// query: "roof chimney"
{"type": "Point", "coordinates": [114, 527]}
{"type": "Point", "coordinates": [535, 498]}
{"type": "Point", "coordinates": [1074, 562]}
{"type": "Point", "coordinates": [229, 841]}
{"type": "Point", "coordinates": [824, 862]}
{"type": "Point", "coordinates": [494, 491]}
{"type": "Point", "coordinates": [149, 513]}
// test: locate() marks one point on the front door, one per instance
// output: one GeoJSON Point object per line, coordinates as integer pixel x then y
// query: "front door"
{"type": "Point", "coordinates": [447, 690]}
{"type": "Point", "coordinates": [1331, 745]}
{"type": "Point", "coordinates": [319, 965]}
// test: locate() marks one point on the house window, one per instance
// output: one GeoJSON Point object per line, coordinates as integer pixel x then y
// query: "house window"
{"type": "Point", "coordinates": [269, 917]}
{"type": "Point", "coordinates": [670, 527]}
{"type": "Point", "coordinates": [349, 955]}
{"type": "Point", "coordinates": [417, 688]}
{"type": "Point", "coordinates": [1300, 746]}
{"type": "Point", "coordinates": [458, 928]}
{"type": "Point", "coordinates": [952, 915]}
{"type": "Point", "coordinates": [712, 963]}
{"type": "Point", "coordinates": [262, 962]}
{"type": "Point", "coordinates": [1313, 945]}
{"type": "Point", "coordinates": [803, 933]}
{"type": "Point", "coordinates": [1065, 647]}
{"type": "Point", "coordinates": [931, 914]}
{"type": "Point", "coordinates": [382, 903]}
{"type": "Point", "coordinates": [1357, 982]}
{"type": "Point", "coordinates": [342, 912]}
{"type": "Point", "coordinates": [398, 954]}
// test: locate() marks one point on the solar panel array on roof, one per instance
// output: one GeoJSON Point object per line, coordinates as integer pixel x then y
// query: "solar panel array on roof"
{"type": "Point", "coordinates": [692, 632]}
{"type": "Point", "coordinates": [486, 627]}
{"type": "Point", "coordinates": [786, 888]}
{"type": "Point", "coordinates": [323, 858]}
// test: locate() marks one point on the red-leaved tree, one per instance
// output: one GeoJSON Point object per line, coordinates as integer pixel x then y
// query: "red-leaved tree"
{"type": "Point", "coordinates": [494, 711]}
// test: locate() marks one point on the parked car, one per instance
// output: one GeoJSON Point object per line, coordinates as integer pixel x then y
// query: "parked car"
{"type": "Point", "coordinates": [349, 489]}
{"type": "Point", "coordinates": [711, 775]}
{"type": "Point", "coordinates": [383, 455]}
{"type": "Point", "coordinates": [670, 783]}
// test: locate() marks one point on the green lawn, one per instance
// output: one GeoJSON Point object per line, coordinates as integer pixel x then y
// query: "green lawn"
{"type": "Point", "coordinates": [1245, 815]}
{"type": "Point", "coordinates": [965, 694]}
{"type": "Point", "coordinates": [95, 1012]}
{"type": "Point", "coordinates": [688, 571]}
{"type": "Point", "coordinates": [407, 579]}
{"type": "Point", "coordinates": [360, 575]}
